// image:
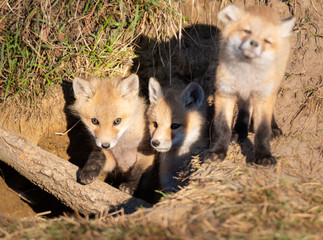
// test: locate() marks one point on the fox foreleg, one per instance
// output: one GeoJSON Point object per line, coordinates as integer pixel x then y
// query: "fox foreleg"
{"type": "Point", "coordinates": [221, 134]}
{"type": "Point", "coordinates": [98, 161]}
{"type": "Point", "coordinates": [263, 115]}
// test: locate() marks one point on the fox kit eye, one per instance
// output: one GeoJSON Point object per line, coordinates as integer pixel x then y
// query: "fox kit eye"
{"type": "Point", "coordinates": [175, 125]}
{"type": "Point", "coordinates": [247, 31]}
{"type": "Point", "coordinates": [267, 41]}
{"type": "Point", "coordinates": [155, 124]}
{"type": "Point", "coordinates": [117, 121]}
{"type": "Point", "coordinates": [95, 121]}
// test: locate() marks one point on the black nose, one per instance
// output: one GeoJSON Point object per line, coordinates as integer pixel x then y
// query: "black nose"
{"type": "Point", "coordinates": [105, 145]}
{"type": "Point", "coordinates": [253, 43]}
{"type": "Point", "coordinates": [155, 143]}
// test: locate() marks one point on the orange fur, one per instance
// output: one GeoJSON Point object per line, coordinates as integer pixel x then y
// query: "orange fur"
{"type": "Point", "coordinates": [115, 115]}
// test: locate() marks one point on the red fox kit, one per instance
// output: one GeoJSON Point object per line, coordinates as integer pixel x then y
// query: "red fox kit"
{"type": "Point", "coordinates": [176, 124]}
{"type": "Point", "coordinates": [115, 116]}
{"type": "Point", "coordinates": [252, 60]}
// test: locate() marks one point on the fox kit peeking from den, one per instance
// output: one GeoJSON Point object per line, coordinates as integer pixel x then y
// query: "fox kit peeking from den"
{"type": "Point", "coordinates": [114, 114]}
{"type": "Point", "coordinates": [252, 60]}
{"type": "Point", "coordinates": [176, 123]}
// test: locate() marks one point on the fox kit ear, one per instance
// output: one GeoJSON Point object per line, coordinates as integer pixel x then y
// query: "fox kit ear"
{"type": "Point", "coordinates": [129, 87]}
{"type": "Point", "coordinates": [192, 96]}
{"type": "Point", "coordinates": [287, 26]}
{"type": "Point", "coordinates": [155, 91]}
{"type": "Point", "coordinates": [82, 89]}
{"type": "Point", "coordinates": [230, 14]}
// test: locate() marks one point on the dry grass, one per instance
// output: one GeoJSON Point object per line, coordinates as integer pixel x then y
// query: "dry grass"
{"type": "Point", "coordinates": [43, 43]}
{"type": "Point", "coordinates": [224, 200]}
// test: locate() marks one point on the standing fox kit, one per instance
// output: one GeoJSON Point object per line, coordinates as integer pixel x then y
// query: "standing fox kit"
{"type": "Point", "coordinates": [114, 114]}
{"type": "Point", "coordinates": [252, 60]}
{"type": "Point", "coordinates": [176, 124]}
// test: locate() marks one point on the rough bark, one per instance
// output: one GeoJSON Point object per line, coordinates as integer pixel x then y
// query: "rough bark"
{"type": "Point", "coordinates": [58, 177]}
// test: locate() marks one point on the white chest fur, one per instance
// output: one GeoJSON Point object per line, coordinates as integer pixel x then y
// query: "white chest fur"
{"type": "Point", "coordinates": [244, 79]}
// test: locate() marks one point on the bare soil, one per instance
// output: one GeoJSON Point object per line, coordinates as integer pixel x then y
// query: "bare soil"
{"type": "Point", "coordinates": [223, 198]}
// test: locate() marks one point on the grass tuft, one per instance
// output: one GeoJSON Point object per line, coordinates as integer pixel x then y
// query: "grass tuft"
{"type": "Point", "coordinates": [43, 43]}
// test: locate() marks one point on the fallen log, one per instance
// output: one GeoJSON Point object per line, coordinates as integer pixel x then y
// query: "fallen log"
{"type": "Point", "coordinates": [58, 177]}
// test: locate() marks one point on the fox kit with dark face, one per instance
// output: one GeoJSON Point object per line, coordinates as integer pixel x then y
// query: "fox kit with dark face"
{"type": "Point", "coordinates": [176, 124]}
{"type": "Point", "coordinates": [115, 116]}
{"type": "Point", "coordinates": [252, 60]}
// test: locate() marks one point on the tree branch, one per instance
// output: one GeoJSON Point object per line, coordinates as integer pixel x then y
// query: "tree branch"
{"type": "Point", "coordinates": [58, 177]}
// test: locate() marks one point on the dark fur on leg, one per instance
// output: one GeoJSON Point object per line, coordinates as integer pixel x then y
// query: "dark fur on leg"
{"type": "Point", "coordinates": [263, 154]}
{"type": "Point", "coordinates": [92, 167]}
{"type": "Point", "coordinates": [222, 138]}
{"type": "Point", "coordinates": [276, 131]}
{"type": "Point", "coordinates": [240, 131]}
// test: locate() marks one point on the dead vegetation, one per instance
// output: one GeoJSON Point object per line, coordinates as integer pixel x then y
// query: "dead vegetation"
{"type": "Point", "coordinates": [224, 200]}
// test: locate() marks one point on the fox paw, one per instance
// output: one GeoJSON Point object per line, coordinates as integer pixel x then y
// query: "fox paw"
{"type": "Point", "coordinates": [89, 173]}
{"type": "Point", "coordinates": [235, 137]}
{"type": "Point", "coordinates": [276, 132]}
{"type": "Point", "coordinates": [265, 161]}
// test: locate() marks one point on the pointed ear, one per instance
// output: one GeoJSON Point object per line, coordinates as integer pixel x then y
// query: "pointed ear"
{"type": "Point", "coordinates": [155, 90]}
{"type": "Point", "coordinates": [230, 14]}
{"type": "Point", "coordinates": [287, 26]}
{"type": "Point", "coordinates": [192, 96]}
{"type": "Point", "coordinates": [82, 89]}
{"type": "Point", "coordinates": [129, 87]}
